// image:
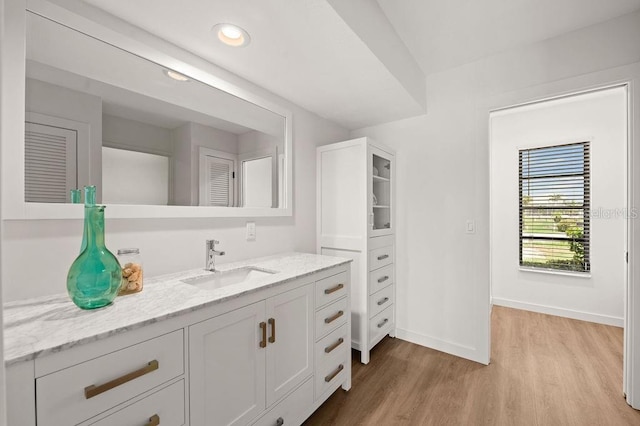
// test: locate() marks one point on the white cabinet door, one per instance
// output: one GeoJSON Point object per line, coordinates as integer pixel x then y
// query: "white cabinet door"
{"type": "Point", "coordinates": [290, 348]}
{"type": "Point", "coordinates": [380, 169]}
{"type": "Point", "coordinates": [227, 368]}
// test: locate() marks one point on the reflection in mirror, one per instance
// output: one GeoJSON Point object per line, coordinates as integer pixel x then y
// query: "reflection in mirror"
{"type": "Point", "coordinates": [143, 134]}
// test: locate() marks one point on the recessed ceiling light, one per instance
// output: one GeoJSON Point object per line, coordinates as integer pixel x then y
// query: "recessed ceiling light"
{"type": "Point", "coordinates": [176, 76]}
{"type": "Point", "coordinates": [231, 35]}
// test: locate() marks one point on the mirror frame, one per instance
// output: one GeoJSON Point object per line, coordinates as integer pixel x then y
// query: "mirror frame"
{"type": "Point", "coordinates": [111, 30]}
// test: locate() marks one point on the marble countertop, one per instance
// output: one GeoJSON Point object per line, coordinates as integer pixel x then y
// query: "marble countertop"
{"type": "Point", "coordinates": [39, 326]}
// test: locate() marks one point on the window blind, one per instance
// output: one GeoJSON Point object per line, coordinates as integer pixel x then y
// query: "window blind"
{"type": "Point", "coordinates": [554, 207]}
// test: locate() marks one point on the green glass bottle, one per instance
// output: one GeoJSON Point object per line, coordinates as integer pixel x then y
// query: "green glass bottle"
{"type": "Point", "coordinates": [94, 278]}
{"type": "Point", "coordinates": [75, 196]}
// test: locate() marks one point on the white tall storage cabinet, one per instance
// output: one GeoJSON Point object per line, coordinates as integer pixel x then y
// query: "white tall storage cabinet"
{"type": "Point", "coordinates": [355, 199]}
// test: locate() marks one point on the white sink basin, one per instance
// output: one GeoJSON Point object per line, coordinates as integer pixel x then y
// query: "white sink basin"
{"type": "Point", "coordinates": [222, 279]}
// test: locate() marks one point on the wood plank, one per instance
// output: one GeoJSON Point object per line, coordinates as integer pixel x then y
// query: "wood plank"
{"type": "Point", "coordinates": [545, 370]}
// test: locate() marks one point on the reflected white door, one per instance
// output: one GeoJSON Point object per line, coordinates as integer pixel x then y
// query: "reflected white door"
{"type": "Point", "coordinates": [257, 183]}
{"type": "Point", "coordinates": [216, 181]}
{"type": "Point", "coordinates": [50, 163]}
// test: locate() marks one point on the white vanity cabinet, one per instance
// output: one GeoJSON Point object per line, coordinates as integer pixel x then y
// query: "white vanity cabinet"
{"type": "Point", "coordinates": [244, 361]}
{"type": "Point", "coordinates": [133, 378]}
{"type": "Point", "coordinates": [267, 356]}
{"type": "Point", "coordinates": [356, 219]}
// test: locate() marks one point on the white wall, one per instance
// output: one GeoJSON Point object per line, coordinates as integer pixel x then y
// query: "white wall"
{"type": "Point", "coordinates": [600, 118]}
{"type": "Point", "coordinates": [181, 159]}
{"type": "Point", "coordinates": [122, 133]}
{"type": "Point", "coordinates": [443, 179]}
{"type": "Point", "coordinates": [257, 141]}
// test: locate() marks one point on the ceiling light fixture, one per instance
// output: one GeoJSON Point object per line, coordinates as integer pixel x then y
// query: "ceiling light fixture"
{"type": "Point", "coordinates": [231, 35]}
{"type": "Point", "coordinates": [176, 76]}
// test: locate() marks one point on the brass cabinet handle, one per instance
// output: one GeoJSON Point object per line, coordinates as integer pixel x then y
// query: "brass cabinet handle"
{"type": "Point", "coordinates": [333, 317]}
{"type": "Point", "coordinates": [383, 279]}
{"type": "Point", "coordinates": [330, 348]}
{"type": "Point", "coordinates": [272, 323]}
{"type": "Point", "coordinates": [334, 289]}
{"type": "Point", "coordinates": [331, 376]}
{"type": "Point", "coordinates": [93, 390]}
{"type": "Point", "coordinates": [153, 420]}
{"type": "Point", "coordinates": [383, 301]}
{"type": "Point", "coordinates": [383, 322]}
{"type": "Point", "coordinates": [383, 257]}
{"type": "Point", "coordinates": [279, 421]}
{"type": "Point", "coordinates": [263, 327]}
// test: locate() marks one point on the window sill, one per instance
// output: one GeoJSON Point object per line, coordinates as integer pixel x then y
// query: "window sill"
{"type": "Point", "coordinates": [556, 272]}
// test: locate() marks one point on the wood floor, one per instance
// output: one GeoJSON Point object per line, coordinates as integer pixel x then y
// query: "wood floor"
{"type": "Point", "coordinates": [544, 370]}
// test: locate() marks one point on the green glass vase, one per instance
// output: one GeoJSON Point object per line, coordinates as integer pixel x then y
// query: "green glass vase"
{"type": "Point", "coordinates": [94, 278]}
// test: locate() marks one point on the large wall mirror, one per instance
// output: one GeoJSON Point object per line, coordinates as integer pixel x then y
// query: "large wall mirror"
{"type": "Point", "coordinates": [144, 133]}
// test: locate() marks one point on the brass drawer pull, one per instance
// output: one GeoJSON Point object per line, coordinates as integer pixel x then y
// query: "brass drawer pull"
{"type": "Point", "coordinates": [153, 420]}
{"type": "Point", "coordinates": [93, 390]}
{"type": "Point", "coordinates": [383, 301]}
{"type": "Point", "coordinates": [330, 348]}
{"type": "Point", "coordinates": [279, 421]}
{"type": "Point", "coordinates": [333, 289]}
{"type": "Point", "coordinates": [383, 279]}
{"type": "Point", "coordinates": [331, 376]}
{"type": "Point", "coordinates": [333, 317]}
{"type": "Point", "coordinates": [272, 323]}
{"type": "Point", "coordinates": [383, 257]}
{"type": "Point", "coordinates": [263, 327]}
{"type": "Point", "coordinates": [383, 322]}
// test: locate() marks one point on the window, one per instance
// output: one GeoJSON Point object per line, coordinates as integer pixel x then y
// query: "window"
{"type": "Point", "coordinates": [554, 207]}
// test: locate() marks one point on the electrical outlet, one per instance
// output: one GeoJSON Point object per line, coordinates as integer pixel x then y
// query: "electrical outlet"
{"type": "Point", "coordinates": [251, 231]}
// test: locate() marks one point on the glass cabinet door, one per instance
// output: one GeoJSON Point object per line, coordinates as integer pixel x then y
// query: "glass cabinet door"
{"type": "Point", "coordinates": [381, 217]}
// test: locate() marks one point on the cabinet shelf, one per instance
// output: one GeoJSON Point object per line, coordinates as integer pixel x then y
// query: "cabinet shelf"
{"type": "Point", "coordinates": [377, 179]}
{"type": "Point", "coordinates": [381, 207]}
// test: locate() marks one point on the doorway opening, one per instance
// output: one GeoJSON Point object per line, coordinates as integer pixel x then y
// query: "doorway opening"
{"type": "Point", "coordinates": [559, 210]}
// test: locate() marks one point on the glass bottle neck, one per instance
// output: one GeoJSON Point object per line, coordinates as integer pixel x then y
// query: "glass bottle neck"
{"type": "Point", "coordinates": [94, 226]}
{"type": "Point", "coordinates": [90, 195]}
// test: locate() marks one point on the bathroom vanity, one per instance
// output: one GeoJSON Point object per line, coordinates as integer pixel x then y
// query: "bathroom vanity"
{"type": "Point", "coordinates": [193, 348]}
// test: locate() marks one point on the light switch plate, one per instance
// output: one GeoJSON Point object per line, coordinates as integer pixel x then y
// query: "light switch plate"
{"type": "Point", "coordinates": [251, 231]}
{"type": "Point", "coordinates": [471, 226]}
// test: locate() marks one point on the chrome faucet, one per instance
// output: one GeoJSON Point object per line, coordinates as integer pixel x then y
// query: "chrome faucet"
{"type": "Point", "coordinates": [211, 255]}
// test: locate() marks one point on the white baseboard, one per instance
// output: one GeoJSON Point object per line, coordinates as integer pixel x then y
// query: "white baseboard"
{"type": "Point", "coordinates": [455, 349]}
{"type": "Point", "coordinates": [560, 312]}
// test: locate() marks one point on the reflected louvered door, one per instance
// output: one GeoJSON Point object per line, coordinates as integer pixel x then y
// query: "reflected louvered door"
{"type": "Point", "coordinates": [219, 182]}
{"type": "Point", "coordinates": [50, 163]}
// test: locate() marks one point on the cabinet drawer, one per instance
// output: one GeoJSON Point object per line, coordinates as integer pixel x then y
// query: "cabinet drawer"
{"type": "Point", "coordinates": [380, 278]}
{"type": "Point", "coordinates": [330, 289]}
{"type": "Point", "coordinates": [380, 257]}
{"type": "Point", "coordinates": [167, 405]}
{"type": "Point", "coordinates": [330, 376]}
{"type": "Point", "coordinates": [381, 324]}
{"type": "Point", "coordinates": [380, 300]}
{"type": "Point", "coordinates": [331, 317]}
{"type": "Point", "coordinates": [332, 347]}
{"type": "Point", "coordinates": [292, 410]}
{"type": "Point", "coordinates": [64, 397]}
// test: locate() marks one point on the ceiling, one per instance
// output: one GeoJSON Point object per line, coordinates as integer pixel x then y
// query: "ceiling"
{"type": "Point", "coordinates": [358, 62]}
{"type": "Point", "coordinates": [445, 34]}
